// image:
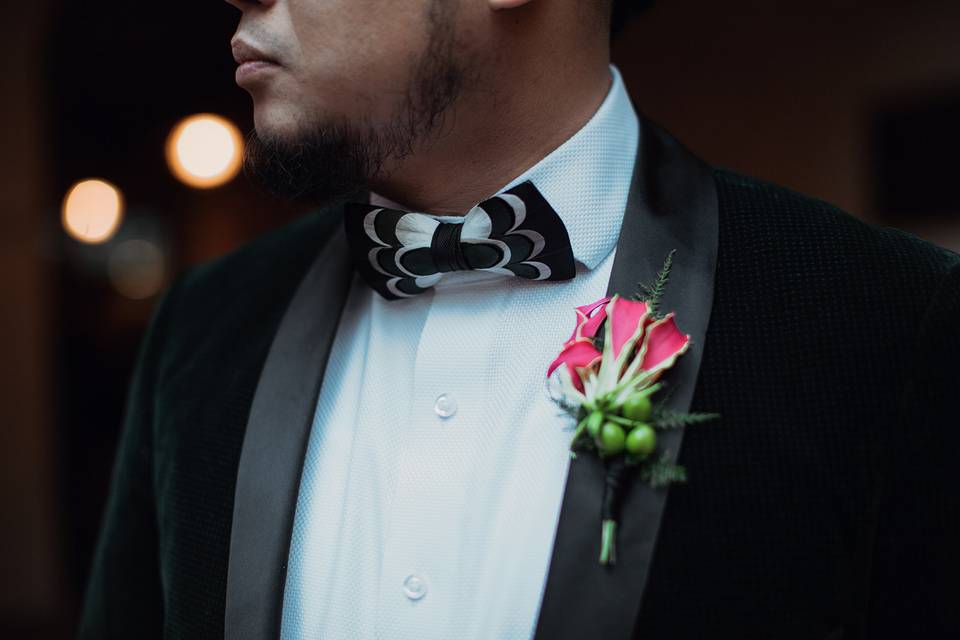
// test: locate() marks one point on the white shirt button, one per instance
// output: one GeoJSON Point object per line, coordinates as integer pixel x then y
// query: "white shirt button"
{"type": "Point", "coordinates": [414, 586]}
{"type": "Point", "coordinates": [445, 406]}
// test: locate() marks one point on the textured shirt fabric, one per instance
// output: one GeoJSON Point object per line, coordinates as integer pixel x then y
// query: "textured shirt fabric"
{"type": "Point", "coordinates": [436, 465]}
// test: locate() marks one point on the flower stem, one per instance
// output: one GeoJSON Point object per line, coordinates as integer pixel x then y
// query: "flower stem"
{"type": "Point", "coordinates": [623, 421]}
{"type": "Point", "coordinates": [617, 472]}
{"type": "Point", "coordinates": [576, 434]}
{"type": "Point", "coordinates": [608, 543]}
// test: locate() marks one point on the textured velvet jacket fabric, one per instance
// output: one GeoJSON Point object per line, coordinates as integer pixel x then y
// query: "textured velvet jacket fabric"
{"type": "Point", "coordinates": [824, 503]}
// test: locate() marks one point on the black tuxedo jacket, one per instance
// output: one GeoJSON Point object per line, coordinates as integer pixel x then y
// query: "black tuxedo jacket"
{"type": "Point", "coordinates": [823, 504]}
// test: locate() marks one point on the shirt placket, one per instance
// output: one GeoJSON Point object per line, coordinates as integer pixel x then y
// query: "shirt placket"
{"type": "Point", "coordinates": [419, 574]}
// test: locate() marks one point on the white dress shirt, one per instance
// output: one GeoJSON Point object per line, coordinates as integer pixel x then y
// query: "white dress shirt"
{"type": "Point", "coordinates": [436, 467]}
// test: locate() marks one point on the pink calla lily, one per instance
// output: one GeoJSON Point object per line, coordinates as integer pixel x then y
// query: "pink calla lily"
{"type": "Point", "coordinates": [662, 344]}
{"type": "Point", "coordinates": [589, 318]}
{"type": "Point", "coordinates": [578, 353]}
{"type": "Point", "coordinates": [625, 320]}
{"type": "Point", "coordinates": [654, 345]}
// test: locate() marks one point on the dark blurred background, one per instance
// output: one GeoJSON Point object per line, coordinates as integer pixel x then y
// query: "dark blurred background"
{"type": "Point", "coordinates": [857, 103]}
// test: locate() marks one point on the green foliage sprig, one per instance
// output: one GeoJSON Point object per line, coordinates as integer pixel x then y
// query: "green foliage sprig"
{"type": "Point", "coordinates": [669, 419]}
{"type": "Point", "coordinates": [662, 472]}
{"type": "Point", "coordinates": [652, 295]}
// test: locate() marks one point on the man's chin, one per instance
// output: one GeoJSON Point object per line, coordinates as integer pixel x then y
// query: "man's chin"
{"type": "Point", "coordinates": [313, 165]}
{"type": "Point", "coordinates": [274, 122]}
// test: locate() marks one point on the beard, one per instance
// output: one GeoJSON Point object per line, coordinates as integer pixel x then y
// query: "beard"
{"type": "Point", "coordinates": [335, 158]}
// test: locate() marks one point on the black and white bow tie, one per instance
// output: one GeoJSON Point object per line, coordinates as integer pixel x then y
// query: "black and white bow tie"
{"type": "Point", "coordinates": [515, 233]}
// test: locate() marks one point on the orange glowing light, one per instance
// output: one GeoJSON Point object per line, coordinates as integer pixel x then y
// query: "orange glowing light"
{"type": "Point", "coordinates": [92, 211]}
{"type": "Point", "coordinates": [205, 151]}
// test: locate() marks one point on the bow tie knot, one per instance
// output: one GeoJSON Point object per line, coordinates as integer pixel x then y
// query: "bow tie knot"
{"type": "Point", "coordinates": [446, 247]}
{"type": "Point", "coordinates": [516, 233]}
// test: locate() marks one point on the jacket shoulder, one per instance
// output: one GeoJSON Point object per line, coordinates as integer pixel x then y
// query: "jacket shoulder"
{"type": "Point", "coordinates": [805, 229]}
{"type": "Point", "coordinates": [266, 261]}
{"type": "Point", "coordinates": [239, 298]}
{"type": "Point", "coordinates": [797, 262]}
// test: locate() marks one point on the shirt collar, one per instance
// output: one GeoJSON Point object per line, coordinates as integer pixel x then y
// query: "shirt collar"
{"type": "Point", "coordinates": [587, 178]}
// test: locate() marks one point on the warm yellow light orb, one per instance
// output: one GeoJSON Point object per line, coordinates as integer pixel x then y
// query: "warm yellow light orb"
{"type": "Point", "coordinates": [205, 151]}
{"type": "Point", "coordinates": [92, 211]}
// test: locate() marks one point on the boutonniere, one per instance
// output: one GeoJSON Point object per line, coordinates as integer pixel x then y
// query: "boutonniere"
{"type": "Point", "coordinates": [608, 374]}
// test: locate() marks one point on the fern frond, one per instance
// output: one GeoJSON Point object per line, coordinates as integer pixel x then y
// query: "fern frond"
{"type": "Point", "coordinates": [652, 295]}
{"type": "Point", "coordinates": [660, 473]}
{"type": "Point", "coordinates": [668, 419]}
{"type": "Point", "coordinates": [660, 405]}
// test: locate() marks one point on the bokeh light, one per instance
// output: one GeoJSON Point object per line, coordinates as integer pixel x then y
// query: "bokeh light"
{"type": "Point", "coordinates": [205, 151]}
{"type": "Point", "coordinates": [92, 211]}
{"type": "Point", "coordinates": [137, 269]}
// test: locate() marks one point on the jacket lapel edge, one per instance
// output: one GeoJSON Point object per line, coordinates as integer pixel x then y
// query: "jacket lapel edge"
{"type": "Point", "coordinates": [672, 205]}
{"type": "Point", "coordinates": [275, 442]}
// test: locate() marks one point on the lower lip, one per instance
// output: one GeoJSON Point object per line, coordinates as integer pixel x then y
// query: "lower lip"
{"type": "Point", "coordinates": [250, 71]}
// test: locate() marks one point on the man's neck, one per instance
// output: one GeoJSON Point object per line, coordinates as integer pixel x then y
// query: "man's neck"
{"type": "Point", "coordinates": [490, 138]}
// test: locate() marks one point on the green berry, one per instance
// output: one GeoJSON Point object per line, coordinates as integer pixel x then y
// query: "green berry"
{"type": "Point", "coordinates": [594, 422]}
{"type": "Point", "coordinates": [612, 438]}
{"type": "Point", "coordinates": [642, 440]}
{"type": "Point", "coordinates": [637, 407]}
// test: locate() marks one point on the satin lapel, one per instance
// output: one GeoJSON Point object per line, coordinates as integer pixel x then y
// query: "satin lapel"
{"type": "Point", "coordinates": [278, 429]}
{"type": "Point", "coordinates": [672, 205]}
